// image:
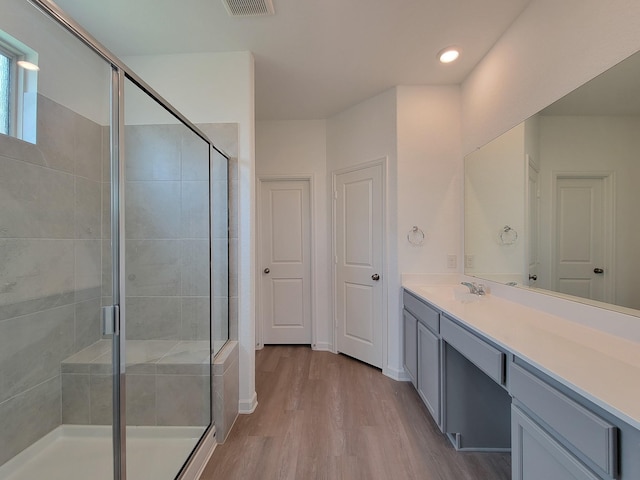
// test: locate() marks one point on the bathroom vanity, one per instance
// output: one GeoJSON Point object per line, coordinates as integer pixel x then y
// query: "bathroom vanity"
{"type": "Point", "coordinates": [497, 375]}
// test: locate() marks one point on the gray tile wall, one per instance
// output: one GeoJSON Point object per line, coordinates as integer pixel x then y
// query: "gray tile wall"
{"type": "Point", "coordinates": [50, 266]}
{"type": "Point", "coordinates": [167, 223]}
{"type": "Point", "coordinates": [55, 266]}
{"type": "Point", "coordinates": [225, 390]}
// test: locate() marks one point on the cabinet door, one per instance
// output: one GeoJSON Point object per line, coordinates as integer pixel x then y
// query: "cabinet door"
{"type": "Point", "coordinates": [535, 455]}
{"type": "Point", "coordinates": [429, 370]}
{"type": "Point", "coordinates": [410, 345]}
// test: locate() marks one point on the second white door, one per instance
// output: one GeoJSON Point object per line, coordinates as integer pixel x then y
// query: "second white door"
{"type": "Point", "coordinates": [285, 259]}
{"type": "Point", "coordinates": [359, 233]}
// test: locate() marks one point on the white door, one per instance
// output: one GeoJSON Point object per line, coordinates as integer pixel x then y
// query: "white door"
{"type": "Point", "coordinates": [580, 255]}
{"type": "Point", "coordinates": [285, 262]}
{"type": "Point", "coordinates": [534, 222]}
{"type": "Point", "coordinates": [358, 235]}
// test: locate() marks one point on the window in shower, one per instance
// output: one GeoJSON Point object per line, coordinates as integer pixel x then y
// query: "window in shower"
{"type": "Point", "coordinates": [18, 88]}
{"type": "Point", "coordinates": [6, 70]}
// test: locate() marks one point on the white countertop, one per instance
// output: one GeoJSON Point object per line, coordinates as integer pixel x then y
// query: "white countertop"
{"type": "Point", "coordinates": [602, 367]}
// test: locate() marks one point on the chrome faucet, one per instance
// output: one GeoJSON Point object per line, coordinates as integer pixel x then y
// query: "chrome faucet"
{"type": "Point", "coordinates": [475, 288]}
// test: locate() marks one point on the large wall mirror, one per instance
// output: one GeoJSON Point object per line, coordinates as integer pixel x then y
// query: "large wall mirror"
{"type": "Point", "coordinates": [554, 203]}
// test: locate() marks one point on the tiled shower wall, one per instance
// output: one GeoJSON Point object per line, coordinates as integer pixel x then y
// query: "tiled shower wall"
{"type": "Point", "coordinates": [167, 277]}
{"type": "Point", "coordinates": [50, 280]}
{"type": "Point", "coordinates": [55, 258]}
{"type": "Point", "coordinates": [166, 223]}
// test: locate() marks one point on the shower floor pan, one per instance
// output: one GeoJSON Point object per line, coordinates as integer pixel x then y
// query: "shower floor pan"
{"type": "Point", "coordinates": [78, 452]}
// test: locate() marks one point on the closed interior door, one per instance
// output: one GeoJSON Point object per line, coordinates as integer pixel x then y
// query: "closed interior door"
{"type": "Point", "coordinates": [358, 233]}
{"type": "Point", "coordinates": [579, 255]}
{"type": "Point", "coordinates": [285, 262]}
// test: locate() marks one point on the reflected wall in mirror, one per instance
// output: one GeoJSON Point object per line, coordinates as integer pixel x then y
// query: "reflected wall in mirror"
{"type": "Point", "coordinates": [552, 203]}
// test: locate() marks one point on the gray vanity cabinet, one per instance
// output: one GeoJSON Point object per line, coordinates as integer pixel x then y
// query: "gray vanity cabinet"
{"type": "Point", "coordinates": [422, 351]}
{"type": "Point", "coordinates": [429, 370]}
{"type": "Point", "coordinates": [485, 397]}
{"type": "Point", "coordinates": [410, 324]}
{"type": "Point", "coordinates": [558, 434]}
{"type": "Point", "coordinates": [536, 455]}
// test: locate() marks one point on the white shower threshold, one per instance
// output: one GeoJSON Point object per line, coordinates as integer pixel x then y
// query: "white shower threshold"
{"type": "Point", "coordinates": [80, 452]}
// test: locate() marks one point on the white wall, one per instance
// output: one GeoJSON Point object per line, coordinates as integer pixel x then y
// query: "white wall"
{"type": "Point", "coordinates": [362, 133]}
{"type": "Point", "coordinates": [294, 148]}
{"type": "Point", "coordinates": [429, 190]}
{"type": "Point", "coordinates": [429, 177]}
{"type": "Point", "coordinates": [597, 144]}
{"type": "Point", "coordinates": [553, 47]}
{"type": "Point", "coordinates": [218, 88]}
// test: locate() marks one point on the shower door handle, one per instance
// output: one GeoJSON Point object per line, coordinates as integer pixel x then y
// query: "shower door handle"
{"type": "Point", "coordinates": [110, 320]}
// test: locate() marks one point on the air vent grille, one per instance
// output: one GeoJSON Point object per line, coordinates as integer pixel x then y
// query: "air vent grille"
{"type": "Point", "coordinates": [249, 8]}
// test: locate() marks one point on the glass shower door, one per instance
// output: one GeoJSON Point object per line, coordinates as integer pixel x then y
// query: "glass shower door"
{"type": "Point", "coordinates": [56, 373]}
{"type": "Point", "coordinates": [167, 288]}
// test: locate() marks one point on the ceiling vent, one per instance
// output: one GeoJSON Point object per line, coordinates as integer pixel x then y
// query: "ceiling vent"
{"type": "Point", "coordinates": [249, 8]}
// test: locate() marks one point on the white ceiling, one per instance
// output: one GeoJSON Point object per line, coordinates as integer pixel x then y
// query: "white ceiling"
{"type": "Point", "coordinates": [313, 58]}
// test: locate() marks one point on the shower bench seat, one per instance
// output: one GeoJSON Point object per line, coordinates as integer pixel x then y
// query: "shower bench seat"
{"type": "Point", "coordinates": [167, 383]}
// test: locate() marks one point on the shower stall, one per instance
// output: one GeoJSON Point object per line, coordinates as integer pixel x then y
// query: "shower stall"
{"type": "Point", "coordinates": [113, 262]}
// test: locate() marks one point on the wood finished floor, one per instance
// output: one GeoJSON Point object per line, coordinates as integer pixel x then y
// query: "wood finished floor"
{"type": "Point", "coordinates": [326, 416]}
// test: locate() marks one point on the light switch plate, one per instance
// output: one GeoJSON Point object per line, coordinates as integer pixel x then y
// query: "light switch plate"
{"type": "Point", "coordinates": [452, 261]}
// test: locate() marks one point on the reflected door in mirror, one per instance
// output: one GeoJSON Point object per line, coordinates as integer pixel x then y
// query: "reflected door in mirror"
{"type": "Point", "coordinates": [580, 236]}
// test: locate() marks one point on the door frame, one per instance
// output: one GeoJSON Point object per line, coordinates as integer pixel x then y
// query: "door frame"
{"type": "Point", "coordinates": [384, 163]}
{"type": "Point", "coordinates": [609, 223]}
{"type": "Point", "coordinates": [531, 163]}
{"type": "Point", "coordinates": [260, 181]}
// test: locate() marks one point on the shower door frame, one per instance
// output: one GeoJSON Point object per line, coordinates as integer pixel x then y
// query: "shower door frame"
{"type": "Point", "coordinates": [117, 314]}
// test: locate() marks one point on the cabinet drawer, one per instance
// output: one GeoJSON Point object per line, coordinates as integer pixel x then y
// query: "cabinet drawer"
{"type": "Point", "coordinates": [486, 357]}
{"type": "Point", "coordinates": [586, 432]}
{"type": "Point", "coordinates": [536, 455]}
{"type": "Point", "coordinates": [424, 313]}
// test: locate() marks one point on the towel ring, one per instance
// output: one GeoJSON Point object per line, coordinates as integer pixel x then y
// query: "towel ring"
{"type": "Point", "coordinates": [507, 236]}
{"type": "Point", "coordinates": [415, 237]}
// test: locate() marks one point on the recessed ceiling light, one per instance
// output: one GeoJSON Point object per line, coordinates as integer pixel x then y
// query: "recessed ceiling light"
{"type": "Point", "coordinates": [449, 54]}
{"type": "Point", "coordinates": [28, 65]}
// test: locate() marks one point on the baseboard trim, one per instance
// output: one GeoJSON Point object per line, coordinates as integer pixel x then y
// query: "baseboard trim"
{"type": "Point", "coordinates": [323, 347]}
{"type": "Point", "coordinates": [396, 374]}
{"type": "Point", "coordinates": [246, 407]}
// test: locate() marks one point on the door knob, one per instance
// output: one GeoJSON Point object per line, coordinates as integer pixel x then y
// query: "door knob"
{"type": "Point", "coordinates": [598, 270]}
{"type": "Point", "coordinates": [533, 277]}
{"type": "Point", "coordinates": [375, 277]}
{"type": "Point", "coordinates": [267, 271]}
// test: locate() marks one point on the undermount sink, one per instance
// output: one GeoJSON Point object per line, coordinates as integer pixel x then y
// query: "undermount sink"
{"type": "Point", "coordinates": [465, 296]}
